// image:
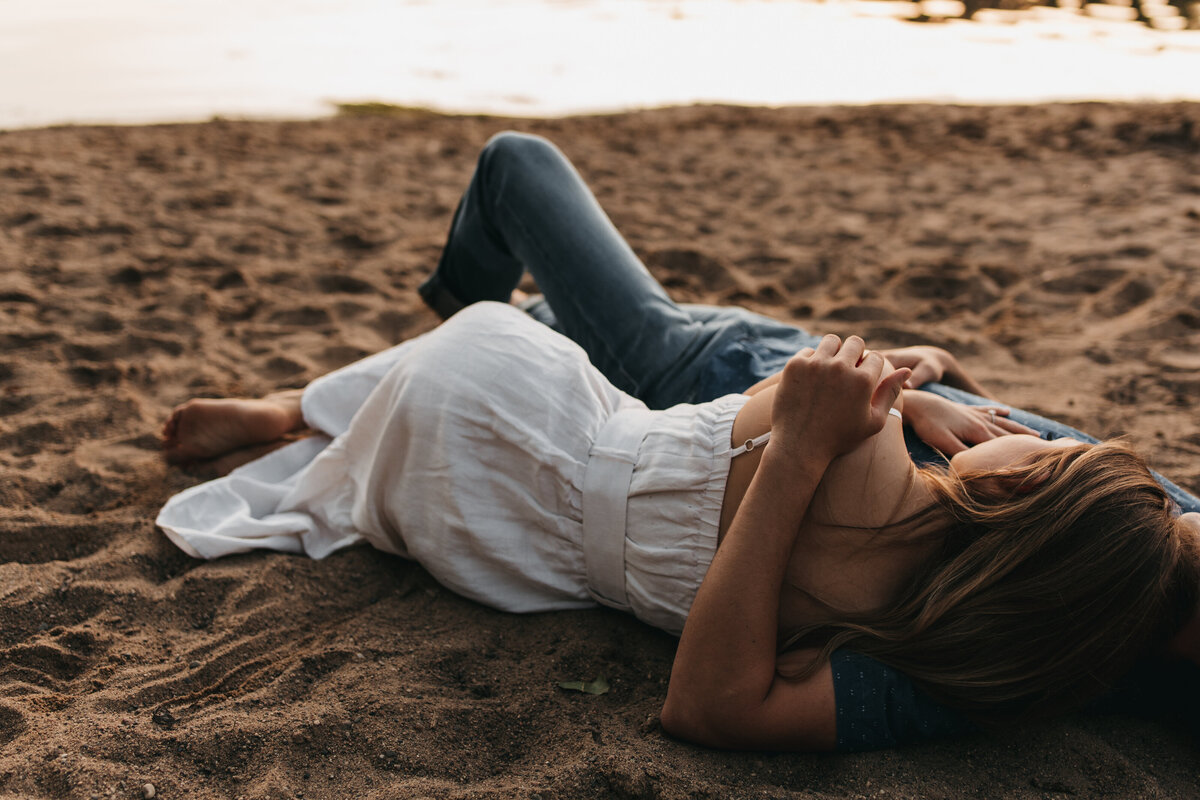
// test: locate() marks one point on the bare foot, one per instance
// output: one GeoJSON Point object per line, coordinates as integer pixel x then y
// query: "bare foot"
{"type": "Point", "coordinates": [201, 429]}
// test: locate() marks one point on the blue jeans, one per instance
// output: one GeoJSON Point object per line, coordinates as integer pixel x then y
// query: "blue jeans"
{"type": "Point", "coordinates": [527, 209]}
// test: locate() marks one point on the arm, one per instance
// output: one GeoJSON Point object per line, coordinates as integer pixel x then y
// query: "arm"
{"type": "Point", "coordinates": [951, 427]}
{"type": "Point", "coordinates": [766, 382]}
{"type": "Point", "coordinates": [926, 362]}
{"type": "Point", "coordinates": [933, 364]}
{"type": "Point", "coordinates": [943, 424]}
{"type": "Point", "coordinates": [724, 689]}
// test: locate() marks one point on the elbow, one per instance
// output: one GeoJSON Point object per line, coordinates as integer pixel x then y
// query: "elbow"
{"type": "Point", "coordinates": [693, 723]}
{"type": "Point", "coordinates": [686, 724]}
{"type": "Point", "coordinates": [673, 720]}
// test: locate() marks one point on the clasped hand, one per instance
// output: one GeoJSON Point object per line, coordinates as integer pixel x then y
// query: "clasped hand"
{"type": "Point", "coordinates": [831, 398]}
{"type": "Point", "coordinates": [947, 426]}
{"type": "Point", "coordinates": [951, 427]}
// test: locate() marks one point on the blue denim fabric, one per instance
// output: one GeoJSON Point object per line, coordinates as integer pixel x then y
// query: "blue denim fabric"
{"type": "Point", "coordinates": [526, 208]}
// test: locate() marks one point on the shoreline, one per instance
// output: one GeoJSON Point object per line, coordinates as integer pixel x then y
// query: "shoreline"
{"type": "Point", "coordinates": [138, 62]}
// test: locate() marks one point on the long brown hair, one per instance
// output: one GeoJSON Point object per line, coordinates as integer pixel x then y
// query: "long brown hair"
{"type": "Point", "coordinates": [1050, 580]}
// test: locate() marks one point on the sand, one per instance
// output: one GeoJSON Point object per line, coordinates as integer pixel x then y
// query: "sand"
{"type": "Point", "coordinates": [1055, 248]}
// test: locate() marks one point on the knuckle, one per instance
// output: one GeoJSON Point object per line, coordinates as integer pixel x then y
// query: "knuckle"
{"type": "Point", "coordinates": [796, 365]}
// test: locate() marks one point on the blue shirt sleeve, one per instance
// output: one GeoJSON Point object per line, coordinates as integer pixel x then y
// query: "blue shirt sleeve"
{"type": "Point", "coordinates": [878, 707]}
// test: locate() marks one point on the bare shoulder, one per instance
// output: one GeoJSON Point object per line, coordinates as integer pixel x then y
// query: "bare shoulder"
{"type": "Point", "coordinates": [848, 554]}
{"type": "Point", "coordinates": [868, 487]}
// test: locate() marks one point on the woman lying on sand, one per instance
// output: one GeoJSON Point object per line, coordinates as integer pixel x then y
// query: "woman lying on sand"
{"type": "Point", "coordinates": [1022, 580]}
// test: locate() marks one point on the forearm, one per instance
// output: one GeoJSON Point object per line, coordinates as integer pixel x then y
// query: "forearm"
{"type": "Point", "coordinates": [771, 380]}
{"type": "Point", "coordinates": [765, 383]}
{"type": "Point", "coordinates": [725, 665]}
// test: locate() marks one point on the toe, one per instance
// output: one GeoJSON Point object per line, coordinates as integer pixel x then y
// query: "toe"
{"type": "Point", "coordinates": [170, 429]}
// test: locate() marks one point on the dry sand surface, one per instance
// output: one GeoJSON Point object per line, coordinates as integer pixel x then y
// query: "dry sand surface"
{"type": "Point", "coordinates": [1055, 248]}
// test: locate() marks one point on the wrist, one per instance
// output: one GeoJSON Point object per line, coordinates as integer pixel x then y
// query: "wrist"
{"type": "Point", "coordinates": [790, 467]}
{"type": "Point", "coordinates": [917, 403]}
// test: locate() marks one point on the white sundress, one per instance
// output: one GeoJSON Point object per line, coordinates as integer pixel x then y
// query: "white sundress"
{"type": "Point", "coordinates": [492, 452]}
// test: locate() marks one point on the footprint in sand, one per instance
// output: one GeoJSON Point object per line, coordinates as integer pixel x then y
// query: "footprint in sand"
{"type": "Point", "coordinates": [692, 269]}
{"type": "Point", "coordinates": [128, 346]}
{"type": "Point", "coordinates": [1184, 389]}
{"type": "Point", "coordinates": [1181, 325]}
{"type": "Point", "coordinates": [951, 283]}
{"type": "Point", "coordinates": [201, 596]}
{"type": "Point", "coordinates": [396, 326]}
{"type": "Point", "coordinates": [17, 296]}
{"type": "Point", "coordinates": [1126, 390]}
{"type": "Point", "coordinates": [30, 439]}
{"type": "Point", "coordinates": [159, 324]}
{"type": "Point", "coordinates": [12, 724]}
{"type": "Point", "coordinates": [339, 355]}
{"type": "Point", "coordinates": [17, 341]}
{"type": "Point", "coordinates": [229, 279]}
{"type": "Point", "coordinates": [45, 665]}
{"type": "Point", "coordinates": [279, 368]}
{"type": "Point", "coordinates": [1125, 297]}
{"type": "Point", "coordinates": [345, 284]}
{"type": "Point", "coordinates": [136, 345]}
{"type": "Point", "coordinates": [860, 313]}
{"type": "Point", "coordinates": [303, 317]}
{"type": "Point", "coordinates": [13, 400]}
{"type": "Point", "coordinates": [1177, 360]}
{"type": "Point", "coordinates": [101, 322]}
{"type": "Point", "coordinates": [1081, 280]}
{"type": "Point", "coordinates": [357, 240]}
{"type": "Point", "coordinates": [92, 376]}
{"type": "Point", "coordinates": [348, 309]}
{"type": "Point", "coordinates": [76, 351]}
{"type": "Point", "coordinates": [174, 237]}
{"type": "Point", "coordinates": [78, 490]}
{"type": "Point", "coordinates": [35, 543]}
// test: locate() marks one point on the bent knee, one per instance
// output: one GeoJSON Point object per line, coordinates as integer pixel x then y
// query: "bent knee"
{"type": "Point", "coordinates": [511, 146]}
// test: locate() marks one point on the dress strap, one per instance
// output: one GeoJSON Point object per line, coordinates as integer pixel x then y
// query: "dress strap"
{"type": "Point", "coordinates": [759, 441]}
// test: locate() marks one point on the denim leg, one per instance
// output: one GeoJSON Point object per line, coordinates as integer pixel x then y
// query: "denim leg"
{"type": "Point", "coordinates": [745, 348]}
{"type": "Point", "coordinates": [526, 208]}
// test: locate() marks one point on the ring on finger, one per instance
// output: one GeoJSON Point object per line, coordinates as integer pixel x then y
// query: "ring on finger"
{"type": "Point", "coordinates": [992, 415]}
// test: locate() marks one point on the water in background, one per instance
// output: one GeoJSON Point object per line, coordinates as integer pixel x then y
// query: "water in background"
{"type": "Point", "coordinates": [162, 60]}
